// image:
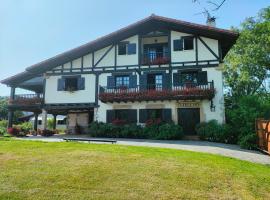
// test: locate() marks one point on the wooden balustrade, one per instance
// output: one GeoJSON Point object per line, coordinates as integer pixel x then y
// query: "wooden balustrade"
{"type": "Point", "coordinates": [26, 99]}
{"type": "Point", "coordinates": [157, 92]}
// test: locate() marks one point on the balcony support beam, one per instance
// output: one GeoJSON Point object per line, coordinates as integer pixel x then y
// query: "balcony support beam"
{"type": "Point", "coordinates": [54, 121]}
{"type": "Point", "coordinates": [44, 119]}
{"type": "Point", "coordinates": [36, 121]}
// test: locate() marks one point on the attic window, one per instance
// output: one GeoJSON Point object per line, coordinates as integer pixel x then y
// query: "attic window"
{"type": "Point", "coordinates": [125, 48]}
{"type": "Point", "coordinates": [188, 43]}
{"type": "Point", "coordinates": [71, 84]}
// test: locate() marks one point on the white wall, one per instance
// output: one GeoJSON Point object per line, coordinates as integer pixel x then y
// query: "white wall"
{"type": "Point", "coordinates": [129, 59]}
{"type": "Point", "coordinates": [81, 96]}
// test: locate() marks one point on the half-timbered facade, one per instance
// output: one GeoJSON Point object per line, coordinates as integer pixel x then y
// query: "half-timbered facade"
{"type": "Point", "coordinates": [155, 68]}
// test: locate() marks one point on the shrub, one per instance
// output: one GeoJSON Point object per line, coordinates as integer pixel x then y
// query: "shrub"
{"type": "Point", "coordinates": [169, 132]}
{"type": "Point", "coordinates": [214, 132]}
{"type": "Point", "coordinates": [248, 141]}
{"type": "Point", "coordinates": [16, 131]}
{"type": "Point", "coordinates": [3, 123]}
{"type": "Point", "coordinates": [154, 131]}
{"type": "Point", "coordinates": [46, 133]}
{"type": "Point", "coordinates": [26, 127]}
{"type": "Point", "coordinates": [2, 130]}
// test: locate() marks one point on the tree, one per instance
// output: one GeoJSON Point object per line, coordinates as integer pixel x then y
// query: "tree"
{"type": "Point", "coordinates": [4, 110]}
{"type": "Point", "coordinates": [248, 62]}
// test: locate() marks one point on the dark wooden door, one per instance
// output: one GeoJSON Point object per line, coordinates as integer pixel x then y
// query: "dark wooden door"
{"type": "Point", "coordinates": [188, 118]}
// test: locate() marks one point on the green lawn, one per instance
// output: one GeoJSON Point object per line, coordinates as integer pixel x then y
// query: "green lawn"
{"type": "Point", "coordinates": [38, 170]}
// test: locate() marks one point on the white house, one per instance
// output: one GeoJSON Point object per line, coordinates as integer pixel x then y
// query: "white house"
{"type": "Point", "coordinates": [155, 68]}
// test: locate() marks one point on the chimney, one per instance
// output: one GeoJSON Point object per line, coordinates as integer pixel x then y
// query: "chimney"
{"type": "Point", "coordinates": [211, 21]}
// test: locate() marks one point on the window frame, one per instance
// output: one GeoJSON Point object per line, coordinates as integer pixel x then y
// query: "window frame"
{"type": "Point", "coordinates": [76, 88]}
{"type": "Point", "coordinates": [184, 38]}
{"type": "Point", "coordinates": [122, 80]}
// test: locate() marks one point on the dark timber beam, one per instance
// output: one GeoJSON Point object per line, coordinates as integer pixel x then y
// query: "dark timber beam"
{"type": "Point", "coordinates": [196, 50]}
{"type": "Point", "coordinates": [214, 54]}
{"type": "Point", "coordinates": [54, 121]}
{"type": "Point", "coordinates": [36, 121]}
{"type": "Point", "coordinates": [96, 89]}
{"type": "Point", "coordinates": [108, 50]}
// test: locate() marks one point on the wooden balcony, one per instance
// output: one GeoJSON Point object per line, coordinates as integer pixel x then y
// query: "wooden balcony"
{"type": "Point", "coordinates": [157, 92]}
{"type": "Point", "coordinates": [27, 100]}
{"type": "Point", "coordinates": [155, 58]}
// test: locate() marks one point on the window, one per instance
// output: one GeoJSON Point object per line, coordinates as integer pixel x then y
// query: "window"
{"type": "Point", "coordinates": [125, 48]}
{"type": "Point", "coordinates": [154, 81]}
{"type": "Point", "coordinates": [185, 43]}
{"type": "Point", "coordinates": [122, 114]}
{"type": "Point", "coordinates": [62, 122]}
{"type": "Point", "coordinates": [178, 45]}
{"type": "Point", "coordinates": [188, 43]}
{"type": "Point", "coordinates": [122, 48]}
{"type": "Point", "coordinates": [154, 114]}
{"type": "Point", "coordinates": [131, 49]}
{"type": "Point", "coordinates": [39, 122]}
{"type": "Point", "coordinates": [189, 77]}
{"type": "Point", "coordinates": [121, 81]}
{"type": "Point", "coordinates": [71, 84]}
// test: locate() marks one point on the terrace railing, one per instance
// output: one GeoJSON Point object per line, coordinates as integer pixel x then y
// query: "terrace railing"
{"type": "Point", "coordinates": [155, 58]}
{"type": "Point", "coordinates": [157, 92]}
{"type": "Point", "coordinates": [27, 99]}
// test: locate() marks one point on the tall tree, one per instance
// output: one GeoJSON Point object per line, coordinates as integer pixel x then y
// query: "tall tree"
{"type": "Point", "coordinates": [247, 63]}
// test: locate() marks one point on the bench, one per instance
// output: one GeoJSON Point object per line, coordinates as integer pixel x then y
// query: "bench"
{"type": "Point", "coordinates": [89, 140]}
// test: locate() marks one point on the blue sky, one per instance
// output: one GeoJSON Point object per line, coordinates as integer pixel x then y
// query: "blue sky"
{"type": "Point", "coordinates": [34, 30]}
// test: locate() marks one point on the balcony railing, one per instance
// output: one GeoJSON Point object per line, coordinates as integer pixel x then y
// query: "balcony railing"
{"type": "Point", "coordinates": [157, 92]}
{"type": "Point", "coordinates": [27, 99]}
{"type": "Point", "coordinates": [155, 58]}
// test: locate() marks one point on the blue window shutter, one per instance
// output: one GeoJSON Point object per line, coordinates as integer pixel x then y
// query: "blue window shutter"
{"type": "Point", "coordinates": [178, 45]}
{"type": "Point", "coordinates": [177, 79]}
{"type": "Point", "coordinates": [110, 116]}
{"type": "Point", "coordinates": [143, 81]}
{"type": "Point", "coordinates": [131, 48]}
{"type": "Point", "coordinates": [81, 83]}
{"type": "Point", "coordinates": [166, 81]}
{"type": "Point", "coordinates": [202, 78]}
{"type": "Point", "coordinates": [167, 115]}
{"type": "Point", "coordinates": [142, 115]}
{"type": "Point", "coordinates": [61, 84]}
{"type": "Point", "coordinates": [110, 82]}
{"type": "Point", "coordinates": [133, 81]}
{"type": "Point", "coordinates": [132, 116]}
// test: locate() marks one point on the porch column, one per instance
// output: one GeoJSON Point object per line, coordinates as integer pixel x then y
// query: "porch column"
{"type": "Point", "coordinates": [54, 121]}
{"type": "Point", "coordinates": [11, 112]}
{"type": "Point", "coordinates": [44, 119]}
{"type": "Point", "coordinates": [36, 121]}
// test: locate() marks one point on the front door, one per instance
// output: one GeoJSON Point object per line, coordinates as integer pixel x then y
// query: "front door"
{"type": "Point", "coordinates": [188, 118]}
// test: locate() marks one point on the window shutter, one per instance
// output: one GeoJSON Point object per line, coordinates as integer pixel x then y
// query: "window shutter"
{"type": "Point", "coordinates": [61, 84]}
{"type": "Point", "coordinates": [122, 48]}
{"type": "Point", "coordinates": [110, 82]}
{"type": "Point", "coordinates": [143, 81]}
{"type": "Point", "coordinates": [81, 83]}
{"type": "Point", "coordinates": [142, 115]}
{"type": "Point", "coordinates": [176, 79]}
{"type": "Point", "coordinates": [178, 45]}
{"type": "Point", "coordinates": [166, 81]}
{"type": "Point", "coordinates": [167, 115]}
{"type": "Point", "coordinates": [132, 115]}
{"type": "Point", "coordinates": [131, 48]}
{"type": "Point", "coordinates": [110, 116]}
{"type": "Point", "coordinates": [133, 81]}
{"type": "Point", "coordinates": [202, 78]}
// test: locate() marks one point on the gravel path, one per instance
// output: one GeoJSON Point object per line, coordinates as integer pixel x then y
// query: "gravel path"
{"type": "Point", "coordinates": [228, 150]}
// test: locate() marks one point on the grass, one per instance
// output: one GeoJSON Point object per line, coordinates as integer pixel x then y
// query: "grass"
{"type": "Point", "coordinates": [39, 170]}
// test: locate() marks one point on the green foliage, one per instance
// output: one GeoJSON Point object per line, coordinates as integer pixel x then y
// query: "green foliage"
{"type": "Point", "coordinates": [3, 123]}
{"type": "Point", "coordinates": [247, 63]}
{"type": "Point", "coordinates": [50, 123]}
{"type": "Point", "coordinates": [248, 141]}
{"type": "Point", "coordinates": [215, 132]}
{"type": "Point", "coordinates": [162, 132]}
{"type": "Point", "coordinates": [26, 126]}
{"type": "Point", "coordinates": [3, 131]}
{"type": "Point", "coordinates": [170, 132]}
